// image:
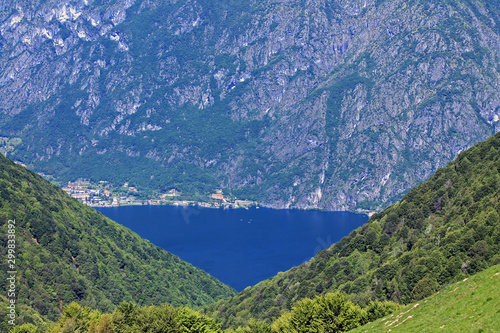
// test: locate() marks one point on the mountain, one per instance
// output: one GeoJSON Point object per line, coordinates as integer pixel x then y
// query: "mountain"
{"type": "Point", "coordinates": [442, 231]}
{"type": "Point", "coordinates": [337, 105]}
{"type": "Point", "coordinates": [65, 251]}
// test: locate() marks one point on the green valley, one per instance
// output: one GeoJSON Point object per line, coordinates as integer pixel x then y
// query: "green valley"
{"type": "Point", "coordinates": [430, 244]}
{"type": "Point", "coordinates": [383, 106]}
{"type": "Point", "coordinates": [80, 272]}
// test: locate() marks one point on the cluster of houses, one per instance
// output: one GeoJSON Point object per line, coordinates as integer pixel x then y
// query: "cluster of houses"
{"type": "Point", "coordinates": [89, 194]}
{"type": "Point", "coordinates": [100, 196]}
{"type": "Point", "coordinates": [84, 192]}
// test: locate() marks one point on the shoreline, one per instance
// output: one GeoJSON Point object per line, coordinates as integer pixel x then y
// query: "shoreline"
{"type": "Point", "coordinates": [183, 203]}
{"type": "Point", "coordinates": [224, 206]}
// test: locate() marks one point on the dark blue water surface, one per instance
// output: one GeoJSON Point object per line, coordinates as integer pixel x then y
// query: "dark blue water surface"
{"type": "Point", "coordinates": [239, 247]}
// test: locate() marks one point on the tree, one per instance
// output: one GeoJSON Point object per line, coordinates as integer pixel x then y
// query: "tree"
{"type": "Point", "coordinates": [328, 313]}
{"type": "Point", "coordinates": [191, 321]}
{"type": "Point", "coordinates": [255, 326]}
{"type": "Point", "coordinates": [157, 319]}
{"type": "Point", "coordinates": [25, 328]}
{"type": "Point", "coordinates": [479, 250]}
{"type": "Point", "coordinates": [124, 317]}
{"type": "Point", "coordinates": [337, 314]}
{"type": "Point", "coordinates": [425, 287]}
{"type": "Point", "coordinates": [377, 309]}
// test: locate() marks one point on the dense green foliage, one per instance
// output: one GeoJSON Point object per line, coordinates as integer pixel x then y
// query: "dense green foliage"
{"type": "Point", "coordinates": [129, 318]}
{"type": "Point", "coordinates": [66, 252]}
{"type": "Point", "coordinates": [471, 305]}
{"type": "Point", "coordinates": [329, 313]}
{"type": "Point", "coordinates": [443, 230]}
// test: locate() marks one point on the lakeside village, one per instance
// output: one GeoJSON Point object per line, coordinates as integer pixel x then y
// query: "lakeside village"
{"type": "Point", "coordinates": [103, 195]}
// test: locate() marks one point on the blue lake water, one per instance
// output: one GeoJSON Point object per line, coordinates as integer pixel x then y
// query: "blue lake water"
{"type": "Point", "coordinates": [239, 247]}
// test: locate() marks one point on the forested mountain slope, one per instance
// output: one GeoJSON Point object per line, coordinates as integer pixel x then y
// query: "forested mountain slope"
{"type": "Point", "coordinates": [441, 231]}
{"type": "Point", "coordinates": [310, 103]}
{"type": "Point", "coordinates": [66, 252]}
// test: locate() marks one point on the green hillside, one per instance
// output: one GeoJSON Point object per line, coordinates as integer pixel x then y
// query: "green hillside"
{"type": "Point", "coordinates": [66, 252]}
{"type": "Point", "coordinates": [471, 305]}
{"type": "Point", "coordinates": [442, 231]}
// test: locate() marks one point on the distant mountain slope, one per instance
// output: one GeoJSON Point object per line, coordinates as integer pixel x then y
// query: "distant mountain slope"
{"type": "Point", "coordinates": [318, 103]}
{"type": "Point", "coordinates": [471, 305]}
{"type": "Point", "coordinates": [66, 252]}
{"type": "Point", "coordinates": [442, 231]}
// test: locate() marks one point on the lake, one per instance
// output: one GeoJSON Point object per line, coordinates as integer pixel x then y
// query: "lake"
{"type": "Point", "coordinates": [240, 247]}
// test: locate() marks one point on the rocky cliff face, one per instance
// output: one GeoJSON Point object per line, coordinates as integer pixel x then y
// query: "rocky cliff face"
{"type": "Point", "coordinates": [304, 104]}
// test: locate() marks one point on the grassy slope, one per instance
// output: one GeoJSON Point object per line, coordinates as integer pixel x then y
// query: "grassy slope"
{"type": "Point", "coordinates": [66, 251]}
{"type": "Point", "coordinates": [471, 305]}
{"type": "Point", "coordinates": [442, 231]}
